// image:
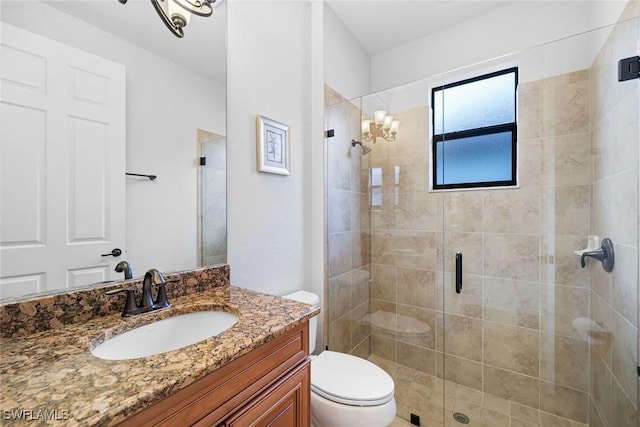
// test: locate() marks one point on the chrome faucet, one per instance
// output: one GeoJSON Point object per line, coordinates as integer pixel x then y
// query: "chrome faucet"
{"type": "Point", "coordinates": [147, 303]}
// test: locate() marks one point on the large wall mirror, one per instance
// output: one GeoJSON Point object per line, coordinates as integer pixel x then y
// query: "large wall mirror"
{"type": "Point", "coordinates": [92, 90]}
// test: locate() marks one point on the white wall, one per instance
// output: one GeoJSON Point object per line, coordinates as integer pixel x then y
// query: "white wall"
{"type": "Point", "coordinates": [347, 66]}
{"type": "Point", "coordinates": [166, 103]}
{"type": "Point", "coordinates": [505, 30]}
{"type": "Point", "coordinates": [269, 69]}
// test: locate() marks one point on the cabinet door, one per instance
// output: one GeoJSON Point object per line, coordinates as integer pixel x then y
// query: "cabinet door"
{"type": "Point", "coordinates": [285, 404]}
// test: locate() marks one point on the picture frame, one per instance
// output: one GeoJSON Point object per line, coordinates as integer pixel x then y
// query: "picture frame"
{"type": "Point", "coordinates": [272, 145]}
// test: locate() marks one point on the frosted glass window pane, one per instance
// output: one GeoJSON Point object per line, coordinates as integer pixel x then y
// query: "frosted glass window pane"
{"type": "Point", "coordinates": [473, 105]}
{"type": "Point", "coordinates": [484, 158]}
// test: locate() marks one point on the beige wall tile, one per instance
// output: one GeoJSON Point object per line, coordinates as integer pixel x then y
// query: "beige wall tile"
{"type": "Point", "coordinates": [563, 401]}
{"type": "Point", "coordinates": [416, 250]}
{"type": "Point", "coordinates": [595, 419]}
{"type": "Point", "coordinates": [571, 210]}
{"type": "Point", "coordinates": [360, 286]}
{"type": "Point", "coordinates": [358, 328]}
{"type": "Point", "coordinates": [600, 387]}
{"type": "Point", "coordinates": [463, 336]}
{"type": "Point", "coordinates": [564, 361]}
{"type": "Point", "coordinates": [383, 282]}
{"type": "Point", "coordinates": [625, 282]}
{"type": "Point", "coordinates": [460, 371]}
{"type": "Point", "coordinates": [529, 110]}
{"type": "Point", "coordinates": [417, 287]}
{"type": "Point", "coordinates": [563, 265]}
{"type": "Point", "coordinates": [511, 348]}
{"type": "Point", "coordinates": [466, 303]}
{"type": "Point", "coordinates": [624, 355]}
{"type": "Point", "coordinates": [531, 172]}
{"type": "Point", "coordinates": [339, 296]}
{"type": "Point", "coordinates": [525, 413]}
{"type": "Point", "coordinates": [463, 211]}
{"type": "Point", "coordinates": [416, 326]}
{"type": "Point", "coordinates": [623, 411]}
{"type": "Point", "coordinates": [339, 250]}
{"type": "Point", "coordinates": [383, 247]}
{"type": "Point", "coordinates": [565, 106]}
{"type": "Point", "coordinates": [511, 386]}
{"type": "Point", "coordinates": [418, 211]}
{"type": "Point", "coordinates": [624, 205]}
{"type": "Point", "coordinates": [363, 349]}
{"type": "Point", "coordinates": [567, 160]}
{"type": "Point", "coordinates": [383, 347]}
{"type": "Point", "coordinates": [418, 358]}
{"type": "Point", "coordinates": [512, 302]}
{"type": "Point", "coordinates": [512, 256]}
{"type": "Point", "coordinates": [550, 420]}
{"type": "Point", "coordinates": [470, 244]}
{"type": "Point", "coordinates": [512, 211]}
{"type": "Point", "coordinates": [339, 335]}
{"type": "Point", "coordinates": [560, 305]}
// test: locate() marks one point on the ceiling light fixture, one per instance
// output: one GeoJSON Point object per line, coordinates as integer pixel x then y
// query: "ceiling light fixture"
{"type": "Point", "coordinates": [177, 13]}
{"type": "Point", "coordinates": [382, 126]}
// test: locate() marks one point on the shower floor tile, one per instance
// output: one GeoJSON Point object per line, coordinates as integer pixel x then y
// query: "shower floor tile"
{"type": "Point", "coordinates": [427, 396]}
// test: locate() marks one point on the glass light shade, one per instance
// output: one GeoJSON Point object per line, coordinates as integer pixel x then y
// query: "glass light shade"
{"type": "Point", "coordinates": [366, 126]}
{"type": "Point", "coordinates": [177, 12]}
{"type": "Point", "coordinates": [387, 122]}
{"type": "Point", "coordinates": [379, 117]}
{"type": "Point", "coordinates": [197, 7]}
{"type": "Point", "coordinates": [395, 125]}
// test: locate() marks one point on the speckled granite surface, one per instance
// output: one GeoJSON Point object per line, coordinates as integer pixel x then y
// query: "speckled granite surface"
{"type": "Point", "coordinates": [54, 371]}
{"type": "Point", "coordinates": [40, 313]}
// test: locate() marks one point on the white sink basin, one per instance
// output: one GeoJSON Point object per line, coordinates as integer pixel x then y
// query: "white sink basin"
{"type": "Point", "coordinates": [165, 335]}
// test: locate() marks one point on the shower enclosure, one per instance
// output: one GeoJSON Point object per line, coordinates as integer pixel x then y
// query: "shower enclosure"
{"type": "Point", "coordinates": [532, 338]}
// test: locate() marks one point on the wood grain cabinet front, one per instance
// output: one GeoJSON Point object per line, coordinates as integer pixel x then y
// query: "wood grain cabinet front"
{"type": "Point", "coordinates": [285, 404]}
{"type": "Point", "coordinates": [270, 386]}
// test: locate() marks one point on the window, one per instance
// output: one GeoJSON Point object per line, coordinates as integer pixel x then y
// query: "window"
{"type": "Point", "coordinates": [474, 132]}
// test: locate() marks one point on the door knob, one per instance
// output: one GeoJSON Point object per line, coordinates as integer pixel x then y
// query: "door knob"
{"type": "Point", "coordinates": [114, 253]}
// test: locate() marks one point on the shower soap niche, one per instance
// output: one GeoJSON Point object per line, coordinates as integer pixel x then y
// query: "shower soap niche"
{"type": "Point", "coordinates": [593, 243]}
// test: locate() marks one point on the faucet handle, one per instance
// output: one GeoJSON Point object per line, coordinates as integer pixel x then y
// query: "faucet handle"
{"type": "Point", "coordinates": [130, 306]}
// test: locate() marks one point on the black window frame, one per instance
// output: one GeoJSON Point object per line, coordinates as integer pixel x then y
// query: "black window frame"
{"type": "Point", "coordinates": [487, 130]}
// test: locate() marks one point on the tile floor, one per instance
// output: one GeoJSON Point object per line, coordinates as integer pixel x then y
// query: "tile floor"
{"type": "Point", "coordinates": [422, 394]}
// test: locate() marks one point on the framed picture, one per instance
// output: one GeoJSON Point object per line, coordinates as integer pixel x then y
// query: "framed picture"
{"type": "Point", "coordinates": [272, 145]}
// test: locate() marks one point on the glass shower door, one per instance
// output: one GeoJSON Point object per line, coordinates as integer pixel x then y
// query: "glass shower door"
{"type": "Point", "coordinates": [533, 336]}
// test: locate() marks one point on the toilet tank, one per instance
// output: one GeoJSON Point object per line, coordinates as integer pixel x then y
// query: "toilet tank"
{"type": "Point", "coordinates": [313, 299]}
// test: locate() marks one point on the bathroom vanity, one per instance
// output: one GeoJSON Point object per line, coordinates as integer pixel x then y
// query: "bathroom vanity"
{"type": "Point", "coordinates": [256, 372]}
{"type": "Point", "coordinates": [269, 386]}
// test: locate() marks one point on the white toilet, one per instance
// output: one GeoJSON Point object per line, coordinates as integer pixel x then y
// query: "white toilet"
{"type": "Point", "coordinates": [346, 390]}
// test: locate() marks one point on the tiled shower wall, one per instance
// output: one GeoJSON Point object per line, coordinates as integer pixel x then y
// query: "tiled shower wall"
{"type": "Point", "coordinates": [614, 214]}
{"type": "Point", "coordinates": [349, 259]}
{"type": "Point", "coordinates": [509, 333]}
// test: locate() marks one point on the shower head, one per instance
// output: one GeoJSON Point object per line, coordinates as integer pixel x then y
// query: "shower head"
{"type": "Point", "coordinates": [365, 149]}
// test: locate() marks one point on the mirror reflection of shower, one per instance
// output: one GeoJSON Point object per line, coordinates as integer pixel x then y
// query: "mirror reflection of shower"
{"type": "Point", "coordinates": [365, 149]}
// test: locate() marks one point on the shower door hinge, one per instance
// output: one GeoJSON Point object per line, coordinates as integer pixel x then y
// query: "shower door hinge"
{"type": "Point", "coordinates": [203, 161]}
{"type": "Point", "coordinates": [629, 68]}
{"type": "Point", "coordinates": [329, 133]}
{"type": "Point", "coordinates": [638, 367]}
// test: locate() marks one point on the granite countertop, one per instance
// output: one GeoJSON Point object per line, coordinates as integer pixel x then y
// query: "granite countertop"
{"type": "Point", "coordinates": [52, 374]}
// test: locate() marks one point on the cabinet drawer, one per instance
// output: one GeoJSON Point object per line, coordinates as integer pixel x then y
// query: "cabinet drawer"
{"type": "Point", "coordinates": [285, 404]}
{"type": "Point", "coordinates": [212, 398]}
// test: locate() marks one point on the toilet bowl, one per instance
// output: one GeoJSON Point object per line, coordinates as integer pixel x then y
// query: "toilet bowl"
{"type": "Point", "coordinates": [346, 390]}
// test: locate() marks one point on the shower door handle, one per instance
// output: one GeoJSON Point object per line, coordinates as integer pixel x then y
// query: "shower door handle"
{"type": "Point", "coordinates": [458, 272]}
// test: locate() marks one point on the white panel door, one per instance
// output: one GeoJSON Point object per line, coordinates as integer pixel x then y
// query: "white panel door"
{"type": "Point", "coordinates": [62, 158]}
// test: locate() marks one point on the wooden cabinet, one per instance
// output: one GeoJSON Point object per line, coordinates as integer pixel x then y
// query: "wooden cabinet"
{"type": "Point", "coordinates": [270, 386]}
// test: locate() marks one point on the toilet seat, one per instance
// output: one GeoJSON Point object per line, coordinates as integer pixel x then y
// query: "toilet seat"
{"type": "Point", "coordinates": [350, 380]}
